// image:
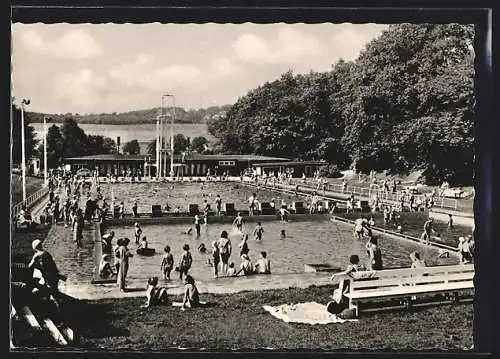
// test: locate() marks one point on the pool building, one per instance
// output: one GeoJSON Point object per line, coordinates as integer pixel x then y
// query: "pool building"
{"type": "Point", "coordinates": [188, 165]}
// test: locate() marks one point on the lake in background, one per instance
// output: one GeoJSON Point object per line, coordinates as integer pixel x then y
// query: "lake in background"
{"type": "Point", "coordinates": [144, 133]}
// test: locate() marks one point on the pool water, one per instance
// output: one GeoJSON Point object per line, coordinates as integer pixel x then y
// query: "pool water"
{"type": "Point", "coordinates": [413, 225]}
{"type": "Point", "coordinates": [306, 242]}
{"type": "Point", "coordinates": [183, 194]}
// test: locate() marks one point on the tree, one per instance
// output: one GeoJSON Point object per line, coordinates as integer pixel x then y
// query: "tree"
{"type": "Point", "coordinates": [181, 143]}
{"type": "Point", "coordinates": [132, 147]}
{"type": "Point", "coordinates": [55, 143]}
{"type": "Point", "coordinates": [75, 141]}
{"type": "Point", "coordinates": [100, 145]}
{"type": "Point", "coordinates": [198, 144]}
{"type": "Point", "coordinates": [29, 136]}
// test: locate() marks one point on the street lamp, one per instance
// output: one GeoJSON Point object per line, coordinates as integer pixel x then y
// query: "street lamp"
{"type": "Point", "coordinates": [157, 147]}
{"type": "Point", "coordinates": [45, 177]}
{"type": "Point", "coordinates": [24, 102]}
{"type": "Point", "coordinates": [171, 135]}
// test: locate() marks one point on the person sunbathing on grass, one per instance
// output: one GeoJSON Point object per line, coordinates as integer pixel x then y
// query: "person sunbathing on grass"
{"type": "Point", "coordinates": [154, 295]}
{"type": "Point", "coordinates": [191, 294]}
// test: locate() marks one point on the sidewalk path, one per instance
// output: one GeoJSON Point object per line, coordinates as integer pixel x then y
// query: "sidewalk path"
{"type": "Point", "coordinates": [217, 286]}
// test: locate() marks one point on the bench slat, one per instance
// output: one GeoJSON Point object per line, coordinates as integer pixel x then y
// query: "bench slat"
{"type": "Point", "coordinates": [410, 290]}
{"type": "Point", "coordinates": [414, 280]}
{"type": "Point", "coordinates": [400, 272]}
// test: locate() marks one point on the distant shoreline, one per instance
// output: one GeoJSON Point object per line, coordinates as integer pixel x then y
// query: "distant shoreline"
{"type": "Point", "coordinates": [121, 123]}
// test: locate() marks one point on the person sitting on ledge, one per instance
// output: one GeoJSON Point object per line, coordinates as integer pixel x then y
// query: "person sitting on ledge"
{"type": "Point", "coordinates": [231, 272]}
{"type": "Point", "coordinates": [353, 267]}
{"type": "Point", "coordinates": [416, 262]}
{"type": "Point", "coordinates": [246, 266]}
{"type": "Point", "coordinates": [263, 265]}
{"type": "Point", "coordinates": [105, 269]}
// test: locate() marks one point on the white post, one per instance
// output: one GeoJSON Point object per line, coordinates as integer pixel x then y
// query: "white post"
{"type": "Point", "coordinates": [23, 151]}
{"type": "Point", "coordinates": [161, 146]}
{"type": "Point", "coordinates": [157, 146]}
{"type": "Point", "coordinates": [172, 141]}
{"type": "Point", "coordinates": [44, 150]}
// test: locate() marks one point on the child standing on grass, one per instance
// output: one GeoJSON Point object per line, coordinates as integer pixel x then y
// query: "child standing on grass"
{"type": "Point", "coordinates": [167, 263]}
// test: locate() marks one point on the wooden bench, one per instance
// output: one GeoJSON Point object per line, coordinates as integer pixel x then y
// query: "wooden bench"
{"type": "Point", "coordinates": [409, 284]}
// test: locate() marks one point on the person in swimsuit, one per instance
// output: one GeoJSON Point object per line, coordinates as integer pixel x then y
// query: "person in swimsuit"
{"type": "Point", "coordinates": [464, 252]}
{"type": "Point", "coordinates": [197, 226]}
{"type": "Point", "coordinates": [375, 254]}
{"type": "Point", "coordinates": [258, 231]}
{"type": "Point", "coordinates": [238, 222]}
{"type": "Point", "coordinates": [218, 205]}
{"type": "Point", "coordinates": [167, 263]}
{"type": "Point", "coordinates": [191, 294]}
{"type": "Point", "coordinates": [244, 245]}
{"type": "Point", "coordinates": [225, 250]}
{"type": "Point", "coordinates": [137, 232]}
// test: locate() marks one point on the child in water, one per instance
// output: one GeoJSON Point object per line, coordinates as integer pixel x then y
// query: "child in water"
{"type": "Point", "coordinates": [258, 231]}
{"type": "Point", "coordinates": [167, 263]}
{"type": "Point", "coordinates": [188, 231]}
{"type": "Point", "coordinates": [282, 234]}
{"type": "Point", "coordinates": [202, 249]}
{"type": "Point", "coordinates": [138, 232]}
{"type": "Point", "coordinates": [144, 243]}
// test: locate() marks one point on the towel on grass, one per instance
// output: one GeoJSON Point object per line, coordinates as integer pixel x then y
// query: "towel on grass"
{"type": "Point", "coordinates": [307, 313]}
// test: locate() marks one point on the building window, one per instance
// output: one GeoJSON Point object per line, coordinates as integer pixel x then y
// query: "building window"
{"type": "Point", "coordinates": [226, 163]}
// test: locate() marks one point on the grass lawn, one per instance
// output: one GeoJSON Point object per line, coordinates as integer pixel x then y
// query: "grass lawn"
{"type": "Point", "coordinates": [239, 322]}
{"type": "Point", "coordinates": [21, 250]}
{"type": "Point", "coordinates": [33, 184]}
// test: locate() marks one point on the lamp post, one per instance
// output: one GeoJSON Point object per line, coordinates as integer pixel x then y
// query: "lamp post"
{"type": "Point", "coordinates": [45, 176]}
{"type": "Point", "coordinates": [24, 102]}
{"type": "Point", "coordinates": [158, 147]}
{"type": "Point", "coordinates": [171, 135]}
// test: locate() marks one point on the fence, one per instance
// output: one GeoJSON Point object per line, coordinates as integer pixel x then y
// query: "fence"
{"type": "Point", "coordinates": [370, 192]}
{"type": "Point", "coordinates": [31, 200]}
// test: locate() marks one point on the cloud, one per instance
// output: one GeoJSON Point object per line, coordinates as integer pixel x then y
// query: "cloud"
{"type": "Point", "coordinates": [288, 46]}
{"type": "Point", "coordinates": [142, 73]}
{"type": "Point", "coordinates": [348, 42]}
{"type": "Point", "coordinates": [32, 40]}
{"type": "Point", "coordinates": [82, 89]}
{"type": "Point", "coordinates": [75, 44]}
{"type": "Point", "coordinates": [224, 66]}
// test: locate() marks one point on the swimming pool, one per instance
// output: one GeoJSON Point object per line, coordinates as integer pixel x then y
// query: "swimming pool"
{"type": "Point", "coordinates": [183, 194]}
{"type": "Point", "coordinates": [317, 241]}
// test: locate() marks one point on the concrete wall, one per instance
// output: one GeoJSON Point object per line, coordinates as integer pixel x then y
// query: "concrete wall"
{"type": "Point", "coordinates": [460, 218]}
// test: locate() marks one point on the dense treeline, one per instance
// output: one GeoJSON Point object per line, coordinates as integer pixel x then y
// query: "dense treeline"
{"type": "Point", "coordinates": [405, 103]}
{"type": "Point", "coordinates": [70, 140]}
{"type": "Point", "coordinates": [135, 117]}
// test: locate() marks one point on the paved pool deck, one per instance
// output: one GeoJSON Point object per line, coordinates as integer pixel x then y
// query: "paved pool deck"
{"type": "Point", "coordinates": [220, 285]}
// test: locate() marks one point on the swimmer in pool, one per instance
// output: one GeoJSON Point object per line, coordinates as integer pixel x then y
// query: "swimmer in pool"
{"type": "Point", "coordinates": [188, 231]}
{"type": "Point", "coordinates": [282, 234]}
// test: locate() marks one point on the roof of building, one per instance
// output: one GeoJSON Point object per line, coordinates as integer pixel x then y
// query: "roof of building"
{"type": "Point", "coordinates": [191, 157]}
{"type": "Point", "coordinates": [198, 157]}
{"type": "Point", "coordinates": [110, 157]}
{"type": "Point", "coordinates": [290, 163]}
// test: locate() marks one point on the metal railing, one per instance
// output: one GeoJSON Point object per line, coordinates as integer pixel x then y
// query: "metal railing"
{"type": "Point", "coordinates": [31, 200]}
{"type": "Point", "coordinates": [370, 192]}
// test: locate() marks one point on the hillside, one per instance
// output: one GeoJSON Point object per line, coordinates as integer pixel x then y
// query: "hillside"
{"type": "Point", "coordinates": [135, 117]}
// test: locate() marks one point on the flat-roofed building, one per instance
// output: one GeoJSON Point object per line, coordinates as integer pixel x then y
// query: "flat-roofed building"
{"type": "Point", "coordinates": [184, 165]}
{"type": "Point", "coordinates": [296, 168]}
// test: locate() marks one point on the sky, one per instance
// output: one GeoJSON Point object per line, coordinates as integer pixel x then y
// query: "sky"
{"type": "Point", "coordinates": [105, 68]}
